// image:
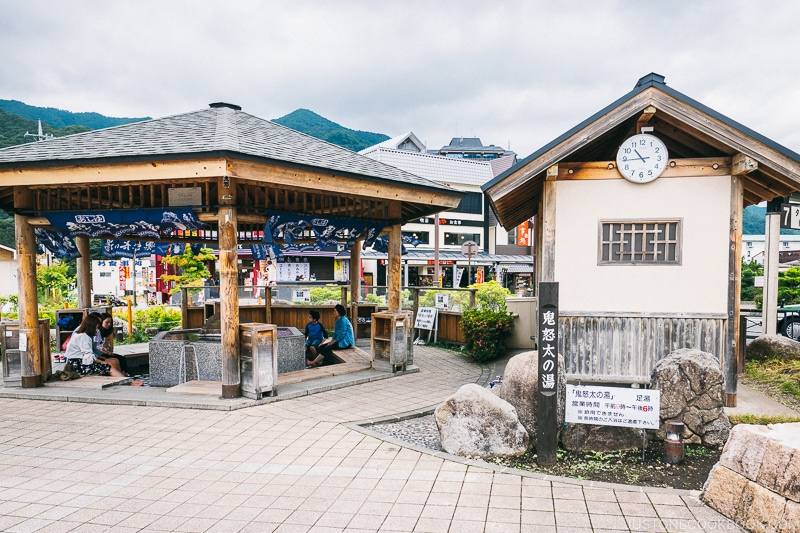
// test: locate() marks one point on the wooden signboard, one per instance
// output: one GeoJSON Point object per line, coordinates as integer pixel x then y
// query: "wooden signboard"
{"type": "Point", "coordinates": [547, 396]}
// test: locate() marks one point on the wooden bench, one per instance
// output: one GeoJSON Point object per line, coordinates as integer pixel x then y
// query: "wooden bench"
{"type": "Point", "coordinates": [352, 360]}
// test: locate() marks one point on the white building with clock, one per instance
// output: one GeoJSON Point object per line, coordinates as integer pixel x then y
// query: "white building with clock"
{"type": "Point", "coordinates": [638, 217]}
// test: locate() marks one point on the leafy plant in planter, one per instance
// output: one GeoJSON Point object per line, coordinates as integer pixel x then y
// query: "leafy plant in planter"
{"type": "Point", "coordinates": [488, 325]}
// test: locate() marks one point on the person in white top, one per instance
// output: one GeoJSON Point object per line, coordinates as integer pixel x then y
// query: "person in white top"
{"type": "Point", "coordinates": [80, 352]}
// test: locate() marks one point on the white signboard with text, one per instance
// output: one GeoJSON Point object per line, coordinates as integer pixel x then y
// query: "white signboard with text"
{"type": "Point", "coordinates": [613, 406]}
{"type": "Point", "coordinates": [301, 296]}
{"type": "Point", "coordinates": [442, 301]}
{"type": "Point", "coordinates": [426, 318]}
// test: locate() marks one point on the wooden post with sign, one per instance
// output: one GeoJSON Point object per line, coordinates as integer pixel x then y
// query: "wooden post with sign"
{"type": "Point", "coordinates": [547, 395]}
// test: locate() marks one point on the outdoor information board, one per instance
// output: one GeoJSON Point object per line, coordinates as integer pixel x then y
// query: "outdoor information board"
{"type": "Point", "coordinates": [442, 301]}
{"type": "Point", "coordinates": [613, 406]}
{"type": "Point", "coordinates": [301, 295]}
{"type": "Point", "coordinates": [426, 318]}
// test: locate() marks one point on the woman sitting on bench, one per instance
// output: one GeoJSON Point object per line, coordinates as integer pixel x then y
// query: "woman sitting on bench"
{"type": "Point", "coordinates": [341, 340]}
{"type": "Point", "coordinates": [104, 341]}
{"type": "Point", "coordinates": [80, 352]}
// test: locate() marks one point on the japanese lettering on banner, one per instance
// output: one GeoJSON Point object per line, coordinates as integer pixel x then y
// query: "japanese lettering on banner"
{"type": "Point", "coordinates": [548, 349]}
{"type": "Point", "coordinates": [613, 406]}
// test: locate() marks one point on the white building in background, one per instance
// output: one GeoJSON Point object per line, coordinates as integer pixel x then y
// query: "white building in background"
{"type": "Point", "coordinates": [118, 277]}
{"type": "Point", "coordinates": [8, 271]}
{"type": "Point", "coordinates": [753, 248]}
{"type": "Point", "coordinates": [466, 170]}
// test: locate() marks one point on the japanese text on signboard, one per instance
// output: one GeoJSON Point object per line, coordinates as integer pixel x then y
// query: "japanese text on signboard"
{"type": "Point", "coordinates": [613, 406]}
{"type": "Point", "coordinates": [548, 349]}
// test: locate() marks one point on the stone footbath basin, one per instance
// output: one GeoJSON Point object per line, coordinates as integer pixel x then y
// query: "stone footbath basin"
{"type": "Point", "coordinates": [184, 355]}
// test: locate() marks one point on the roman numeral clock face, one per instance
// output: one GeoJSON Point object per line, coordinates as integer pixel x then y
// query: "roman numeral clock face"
{"type": "Point", "coordinates": [642, 158]}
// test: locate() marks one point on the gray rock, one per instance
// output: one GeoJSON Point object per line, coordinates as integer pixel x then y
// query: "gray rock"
{"type": "Point", "coordinates": [521, 387]}
{"type": "Point", "coordinates": [475, 422]}
{"type": "Point", "coordinates": [596, 438]}
{"type": "Point", "coordinates": [693, 392]}
{"type": "Point", "coordinates": [767, 346]}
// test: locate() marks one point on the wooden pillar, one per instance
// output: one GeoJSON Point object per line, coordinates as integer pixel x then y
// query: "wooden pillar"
{"type": "Point", "coordinates": [393, 272]}
{"type": "Point", "coordinates": [548, 248]}
{"type": "Point", "coordinates": [31, 354]}
{"type": "Point", "coordinates": [741, 165]}
{"type": "Point", "coordinates": [355, 274]}
{"type": "Point", "coordinates": [730, 366]}
{"type": "Point", "coordinates": [229, 302]}
{"type": "Point", "coordinates": [83, 264]}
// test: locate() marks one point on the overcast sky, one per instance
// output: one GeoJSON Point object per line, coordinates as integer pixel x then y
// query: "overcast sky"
{"type": "Point", "coordinates": [511, 73]}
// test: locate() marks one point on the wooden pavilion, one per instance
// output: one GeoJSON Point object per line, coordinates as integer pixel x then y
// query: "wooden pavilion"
{"type": "Point", "coordinates": [644, 265]}
{"type": "Point", "coordinates": [232, 167]}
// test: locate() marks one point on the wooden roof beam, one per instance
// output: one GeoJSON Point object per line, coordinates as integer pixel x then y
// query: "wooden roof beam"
{"type": "Point", "coordinates": [742, 164]}
{"type": "Point", "coordinates": [644, 119]}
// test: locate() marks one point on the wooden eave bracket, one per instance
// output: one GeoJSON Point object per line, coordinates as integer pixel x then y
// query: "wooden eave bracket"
{"type": "Point", "coordinates": [742, 164]}
{"type": "Point", "coordinates": [644, 119]}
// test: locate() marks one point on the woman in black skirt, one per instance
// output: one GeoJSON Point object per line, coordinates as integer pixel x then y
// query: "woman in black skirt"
{"type": "Point", "coordinates": [80, 352]}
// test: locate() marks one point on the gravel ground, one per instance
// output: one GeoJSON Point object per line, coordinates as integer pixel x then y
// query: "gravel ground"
{"type": "Point", "coordinates": [420, 431]}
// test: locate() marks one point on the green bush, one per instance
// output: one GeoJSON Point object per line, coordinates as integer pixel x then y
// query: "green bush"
{"type": "Point", "coordinates": [488, 325]}
{"type": "Point", "coordinates": [158, 316]}
{"type": "Point", "coordinates": [375, 299]}
{"type": "Point", "coordinates": [485, 332]}
{"type": "Point", "coordinates": [491, 295]}
{"type": "Point", "coordinates": [325, 295]}
{"type": "Point", "coordinates": [457, 300]}
{"type": "Point", "coordinates": [50, 315]}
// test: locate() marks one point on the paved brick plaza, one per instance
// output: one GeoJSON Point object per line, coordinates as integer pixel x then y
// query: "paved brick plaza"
{"type": "Point", "coordinates": [293, 466]}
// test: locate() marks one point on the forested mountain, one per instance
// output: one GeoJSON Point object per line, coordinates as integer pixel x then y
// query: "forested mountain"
{"type": "Point", "coordinates": [310, 123]}
{"type": "Point", "coordinates": [754, 221]}
{"type": "Point", "coordinates": [58, 118]}
{"type": "Point", "coordinates": [14, 127]}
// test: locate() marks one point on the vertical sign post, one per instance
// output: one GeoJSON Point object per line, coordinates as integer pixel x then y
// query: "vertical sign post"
{"type": "Point", "coordinates": [547, 396]}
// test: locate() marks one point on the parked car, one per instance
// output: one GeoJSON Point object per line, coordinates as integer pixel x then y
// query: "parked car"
{"type": "Point", "coordinates": [789, 321]}
{"type": "Point", "coordinates": [100, 300]}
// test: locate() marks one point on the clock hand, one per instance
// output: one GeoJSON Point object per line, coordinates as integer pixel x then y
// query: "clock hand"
{"type": "Point", "coordinates": [644, 159]}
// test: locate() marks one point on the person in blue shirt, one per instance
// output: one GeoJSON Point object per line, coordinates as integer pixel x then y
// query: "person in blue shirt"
{"type": "Point", "coordinates": [342, 338]}
{"type": "Point", "coordinates": [315, 333]}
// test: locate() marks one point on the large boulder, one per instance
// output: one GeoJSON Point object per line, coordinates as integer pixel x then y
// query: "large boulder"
{"type": "Point", "coordinates": [520, 388]}
{"type": "Point", "coordinates": [767, 346]}
{"type": "Point", "coordinates": [756, 482]}
{"type": "Point", "coordinates": [475, 422]}
{"type": "Point", "coordinates": [597, 438]}
{"type": "Point", "coordinates": [693, 392]}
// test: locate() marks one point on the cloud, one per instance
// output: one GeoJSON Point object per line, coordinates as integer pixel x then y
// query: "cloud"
{"type": "Point", "coordinates": [516, 71]}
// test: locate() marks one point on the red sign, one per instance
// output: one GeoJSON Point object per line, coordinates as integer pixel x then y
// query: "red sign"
{"type": "Point", "coordinates": [524, 234]}
{"type": "Point", "coordinates": [123, 278]}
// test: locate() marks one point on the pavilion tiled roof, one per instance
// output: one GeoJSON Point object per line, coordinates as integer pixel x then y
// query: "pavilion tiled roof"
{"type": "Point", "coordinates": [222, 130]}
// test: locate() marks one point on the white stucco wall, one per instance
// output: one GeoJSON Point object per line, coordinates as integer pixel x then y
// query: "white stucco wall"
{"type": "Point", "coordinates": [698, 285]}
{"type": "Point", "coordinates": [8, 278]}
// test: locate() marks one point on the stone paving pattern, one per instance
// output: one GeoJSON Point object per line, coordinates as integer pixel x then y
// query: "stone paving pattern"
{"type": "Point", "coordinates": [294, 466]}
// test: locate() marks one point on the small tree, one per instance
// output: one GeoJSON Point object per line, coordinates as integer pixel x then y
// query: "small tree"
{"type": "Point", "coordinates": [192, 269]}
{"type": "Point", "coordinates": [789, 286]}
{"type": "Point", "coordinates": [749, 272]}
{"type": "Point", "coordinates": [488, 325]}
{"type": "Point", "coordinates": [53, 281]}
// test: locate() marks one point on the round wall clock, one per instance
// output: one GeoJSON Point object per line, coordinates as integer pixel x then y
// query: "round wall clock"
{"type": "Point", "coordinates": [642, 158]}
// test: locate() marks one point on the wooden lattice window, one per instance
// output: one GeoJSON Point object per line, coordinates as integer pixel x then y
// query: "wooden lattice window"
{"type": "Point", "coordinates": [650, 242]}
